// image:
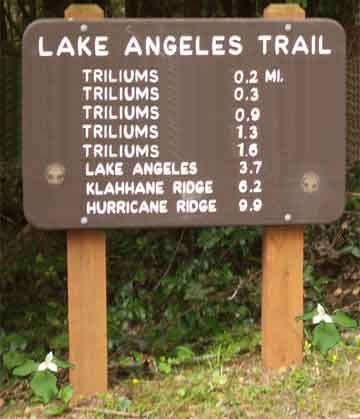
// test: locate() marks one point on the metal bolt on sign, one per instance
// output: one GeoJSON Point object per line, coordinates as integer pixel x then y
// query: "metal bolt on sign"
{"type": "Point", "coordinates": [310, 182]}
{"type": "Point", "coordinates": [288, 217]}
{"type": "Point", "coordinates": [55, 174]}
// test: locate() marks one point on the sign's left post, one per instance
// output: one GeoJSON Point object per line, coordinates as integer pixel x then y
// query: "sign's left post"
{"type": "Point", "coordinates": [86, 267]}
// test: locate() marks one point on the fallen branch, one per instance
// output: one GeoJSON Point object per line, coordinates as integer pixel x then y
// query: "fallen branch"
{"type": "Point", "coordinates": [11, 390]}
{"type": "Point", "coordinates": [7, 219]}
{"type": "Point", "coordinates": [353, 194]}
{"type": "Point", "coordinates": [352, 212]}
{"type": "Point", "coordinates": [109, 412]}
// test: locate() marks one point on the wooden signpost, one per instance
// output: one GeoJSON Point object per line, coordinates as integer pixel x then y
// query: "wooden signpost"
{"type": "Point", "coordinates": [282, 270]}
{"type": "Point", "coordinates": [211, 144]}
{"type": "Point", "coordinates": [87, 307]}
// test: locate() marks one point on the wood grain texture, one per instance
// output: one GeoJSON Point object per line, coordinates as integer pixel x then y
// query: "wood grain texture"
{"type": "Point", "coordinates": [284, 11]}
{"type": "Point", "coordinates": [84, 12]}
{"type": "Point", "coordinates": [282, 296]}
{"type": "Point", "coordinates": [87, 311]}
{"type": "Point", "coordinates": [86, 265]}
{"type": "Point", "coordinates": [282, 270]}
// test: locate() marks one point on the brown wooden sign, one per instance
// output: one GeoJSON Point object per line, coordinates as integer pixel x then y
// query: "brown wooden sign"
{"type": "Point", "coordinates": [160, 123]}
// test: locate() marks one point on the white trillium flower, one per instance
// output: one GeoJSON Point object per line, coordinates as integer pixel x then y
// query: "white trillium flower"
{"type": "Point", "coordinates": [48, 364]}
{"type": "Point", "coordinates": [321, 316]}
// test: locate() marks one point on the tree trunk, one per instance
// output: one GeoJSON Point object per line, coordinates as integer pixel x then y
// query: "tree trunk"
{"type": "Point", "coordinates": [28, 14]}
{"type": "Point", "coordinates": [312, 8]}
{"type": "Point", "coordinates": [176, 8]}
{"type": "Point", "coordinates": [3, 29]}
{"type": "Point", "coordinates": [347, 10]}
{"type": "Point", "coordinates": [228, 7]}
{"type": "Point", "coordinates": [152, 9]}
{"type": "Point", "coordinates": [245, 8]}
{"type": "Point", "coordinates": [212, 8]}
{"type": "Point", "coordinates": [33, 9]}
{"type": "Point", "coordinates": [192, 8]}
{"type": "Point", "coordinates": [131, 8]}
{"type": "Point", "coordinates": [55, 8]}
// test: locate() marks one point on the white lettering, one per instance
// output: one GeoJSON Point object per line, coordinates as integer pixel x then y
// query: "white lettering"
{"type": "Point", "coordinates": [42, 51]}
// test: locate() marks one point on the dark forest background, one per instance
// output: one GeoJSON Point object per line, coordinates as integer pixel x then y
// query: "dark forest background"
{"type": "Point", "coordinates": [15, 15]}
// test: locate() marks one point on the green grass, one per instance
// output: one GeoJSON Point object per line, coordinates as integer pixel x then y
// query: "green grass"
{"type": "Point", "coordinates": [241, 389]}
{"type": "Point", "coordinates": [323, 387]}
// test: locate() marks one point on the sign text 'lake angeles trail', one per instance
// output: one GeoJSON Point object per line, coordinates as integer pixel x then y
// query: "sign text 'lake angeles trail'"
{"type": "Point", "coordinates": [155, 123]}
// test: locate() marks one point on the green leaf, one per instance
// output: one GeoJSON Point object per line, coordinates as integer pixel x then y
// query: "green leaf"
{"type": "Point", "coordinates": [16, 342]}
{"type": "Point", "coordinates": [65, 394]}
{"type": "Point", "coordinates": [55, 410]}
{"type": "Point", "coordinates": [218, 379]}
{"type": "Point", "coordinates": [196, 291]}
{"type": "Point", "coordinates": [181, 392]}
{"type": "Point", "coordinates": [307, 316]}
{"type": "Point", "coordinates": [62, 364]}
{"type": "Point", "coordinates": [164, 367]}
{"type": "Point", "coordinates": [183, 353]}
{"type": "Point", "coordinates": [14, 359]}
{"type": "Point", "coordinates": [123, 403]}
{"type": "Point", "coordinates": [343, 320]}
{"type": "Point", "coordinates": [351, 249]}
{"type": "Point", "coordinates": [27, 368]}
{"type": "Point", "coordinates": [44, 386]}
{"type": "Point", "coordinates": [60, 342]}
{"type": "Point", "coordinates": [326, 336]}
{"type": "Point", "coordinates": [355, 252]}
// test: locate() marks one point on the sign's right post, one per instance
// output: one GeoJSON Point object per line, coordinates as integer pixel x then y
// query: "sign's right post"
{"type": "Point", "coordinates": [282, 270]}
